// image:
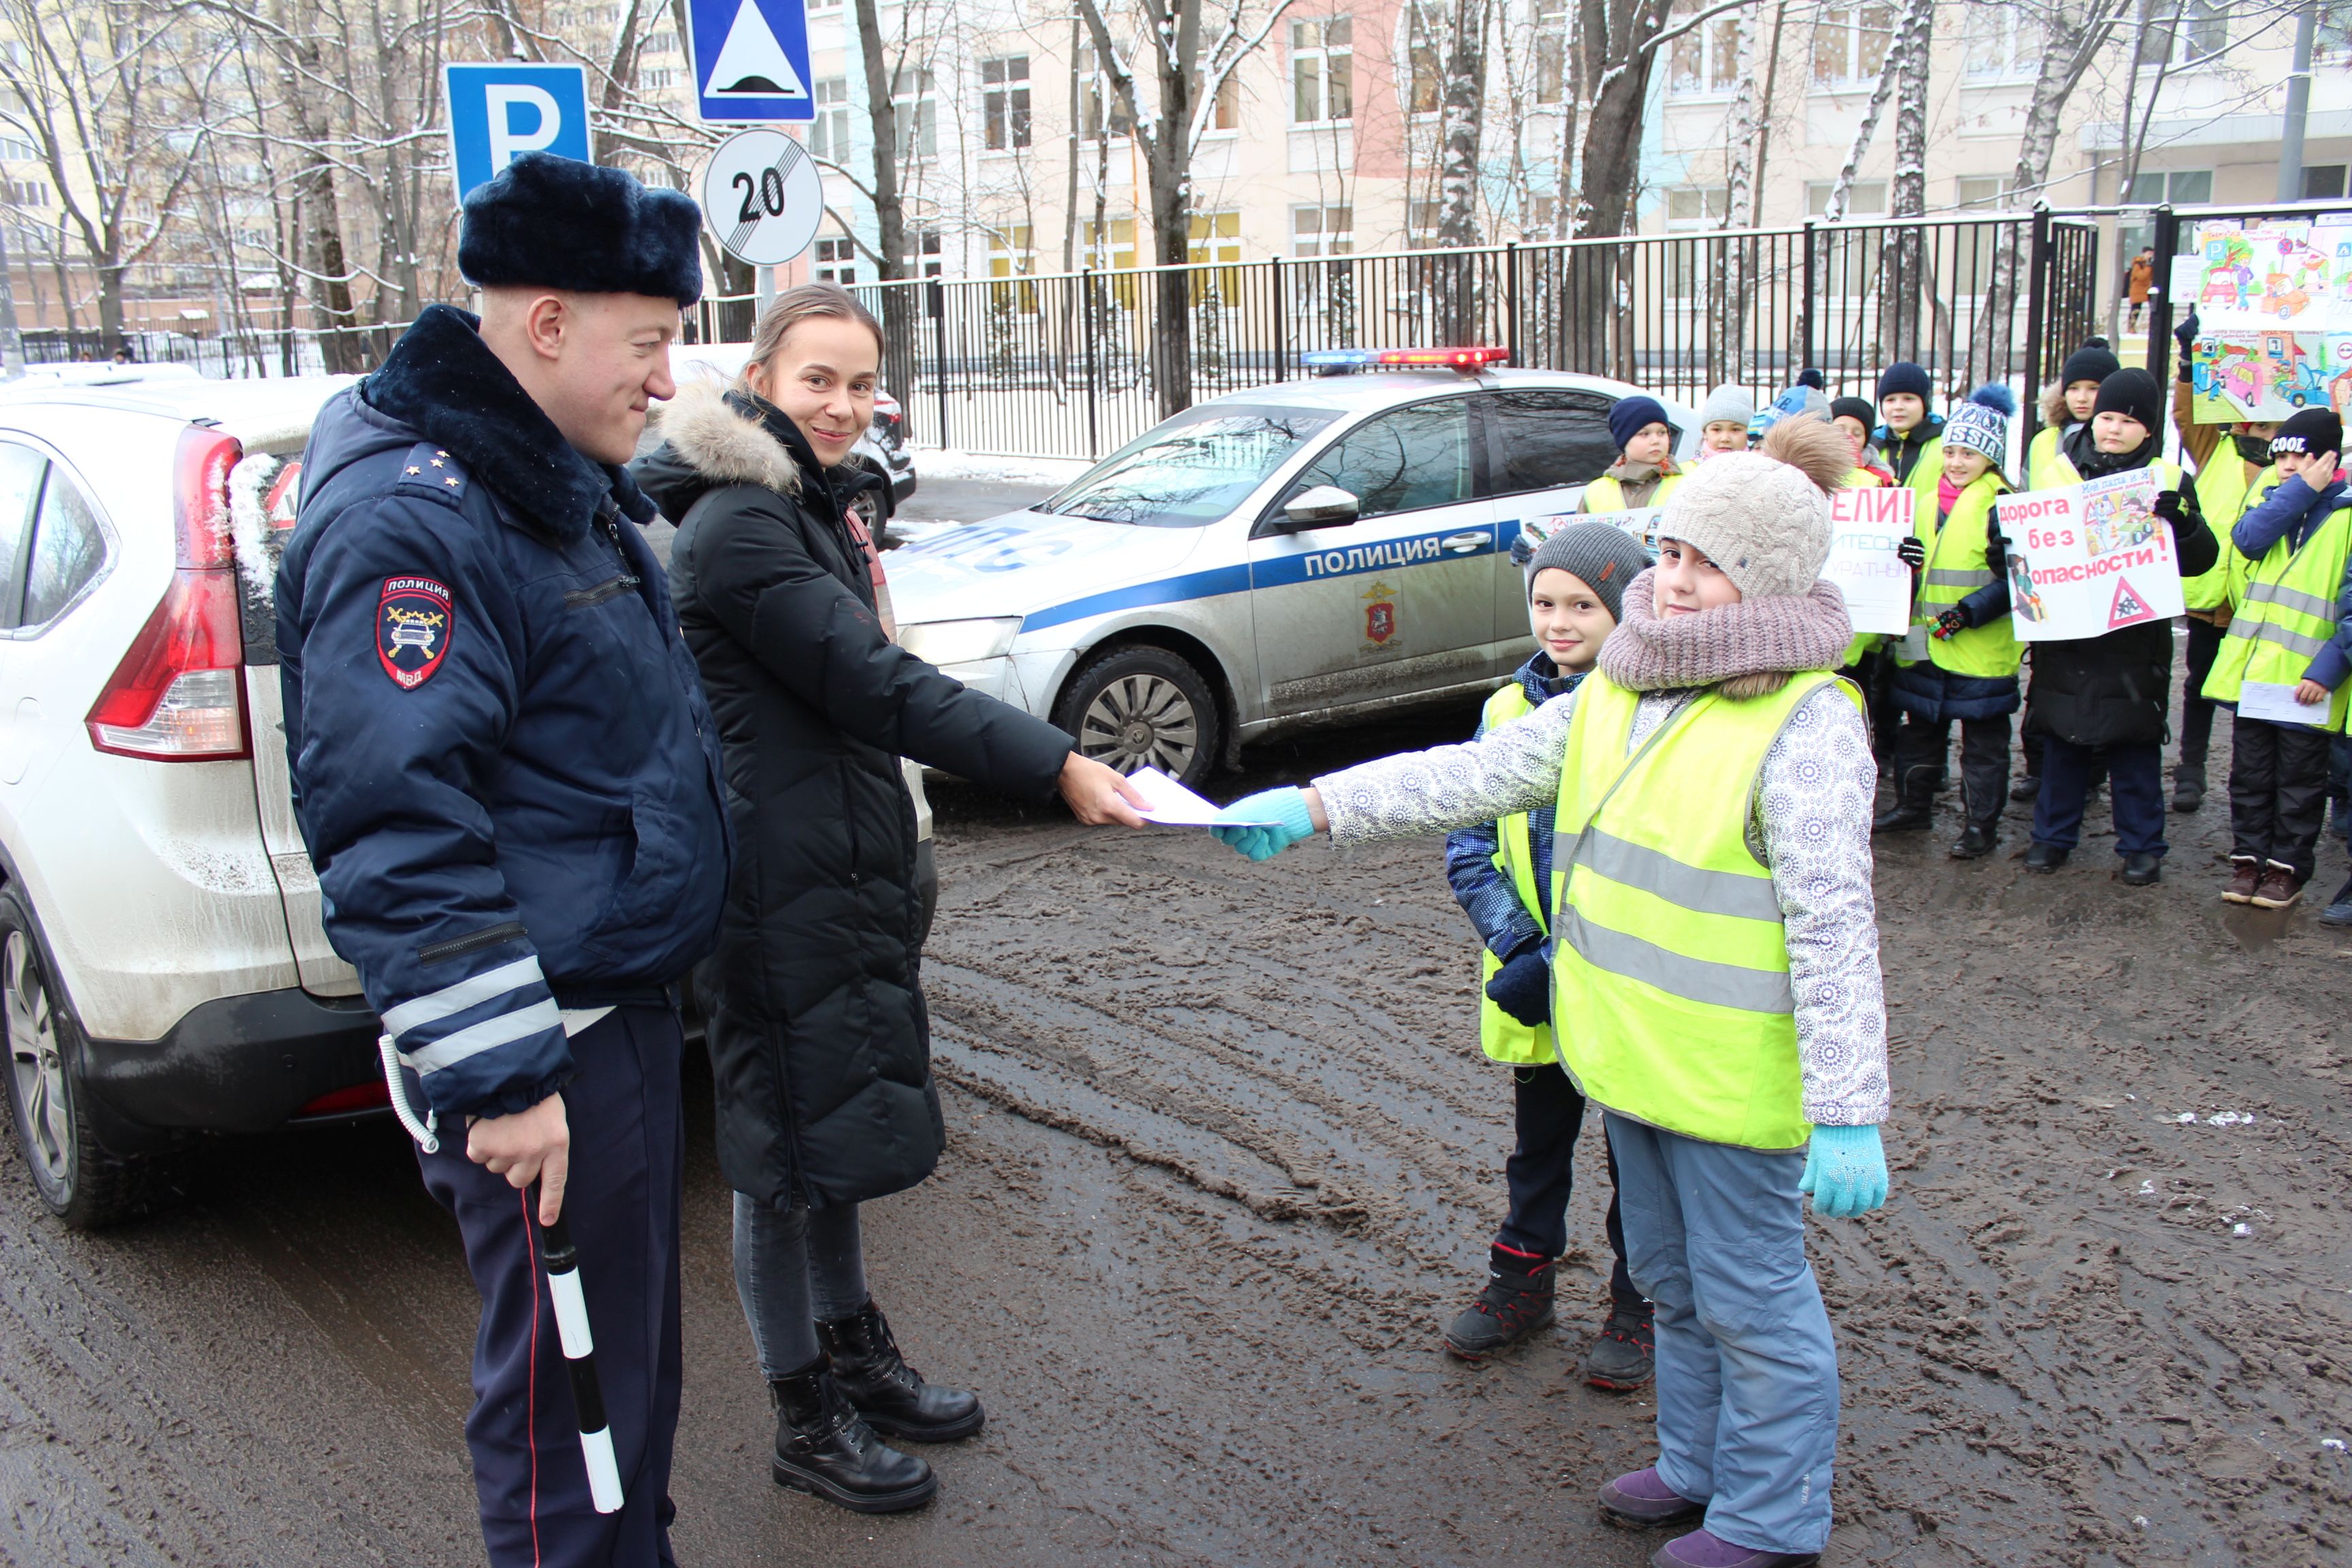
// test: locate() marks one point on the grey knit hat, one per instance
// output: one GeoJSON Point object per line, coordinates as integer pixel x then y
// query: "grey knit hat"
{"type": "Point", "coordinates": [1764, 516]}
{"type": "Point", "coordinates": [1601, 555]}
{"type": "Point", "coordinates": [1727, 403]}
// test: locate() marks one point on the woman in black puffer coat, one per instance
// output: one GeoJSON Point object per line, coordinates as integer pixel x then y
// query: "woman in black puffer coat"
{"type": "Point", "coordinates": [819, 1041]}
{"type": "Point", "coordinates": [2107, 696]}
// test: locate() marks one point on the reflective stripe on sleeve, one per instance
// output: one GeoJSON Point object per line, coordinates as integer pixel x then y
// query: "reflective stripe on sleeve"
{"type": "Point", "coordinates": [451, 1049]}
{"type": "Point", "coordinates": [469, 993]}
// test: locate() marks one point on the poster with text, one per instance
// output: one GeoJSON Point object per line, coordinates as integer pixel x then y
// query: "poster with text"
{"type": "Point", "coordinates": [1866, 527]}
{"type": "Point", "coordinates": [1641, 523]}
{"type": "Point", "coordinates": [2275, 274]}
{"type": "Point", "coordinates": [2268, 375]}
{"type": "Point", "coordinates": [2088, 559]}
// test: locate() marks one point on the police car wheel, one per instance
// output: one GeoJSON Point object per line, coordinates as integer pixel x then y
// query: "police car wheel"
{"type": "Point", "coordinates": [1140, 706]}
{"type": "Point", "coordinates": [76, 1179]}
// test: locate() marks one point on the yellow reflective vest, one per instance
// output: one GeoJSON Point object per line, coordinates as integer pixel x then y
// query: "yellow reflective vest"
{"type": "Point", "coordinates": [1507, 1039]}
{"type": "Point", "coordinates": [1955, 568]}
{"type": "Point", "coordinates": [1607, 494]}
{"type": "Point", "coordinates": [1670, 958]}
{"type": "Point", "coordinates": [2046, 466]}
{"type": "Point", "coordinates": [2287, 616]}
{"type": "Point", "coordinates": [2224, 491]}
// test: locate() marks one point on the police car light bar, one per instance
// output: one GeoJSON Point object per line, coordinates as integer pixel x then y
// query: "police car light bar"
{"type": "Point", "coordinates": [1463, 359]}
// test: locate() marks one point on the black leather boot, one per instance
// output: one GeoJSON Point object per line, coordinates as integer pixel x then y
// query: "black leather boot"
{"type": "Point", "coordinates": [822, 1447]}
{"type": "Point", "coordinates": [891, 1396]}
{"type": "Point", "coordinates": [1976, 841]}
{"type": "Point", "coordinates": [2188, 786]}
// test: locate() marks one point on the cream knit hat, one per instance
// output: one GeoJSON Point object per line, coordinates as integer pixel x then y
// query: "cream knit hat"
{"type": "Point", "coordinates": [1764, 516]}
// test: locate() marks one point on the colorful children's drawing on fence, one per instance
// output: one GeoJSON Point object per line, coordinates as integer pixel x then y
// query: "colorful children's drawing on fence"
{"type": "Point", "coordinates": [2273, 274]}
{"type": "Point", "coordinates": [2269, 374]}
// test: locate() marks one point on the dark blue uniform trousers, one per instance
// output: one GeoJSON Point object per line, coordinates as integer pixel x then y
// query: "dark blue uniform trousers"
{"type": "Point", "coordinates": [622, 1205]}
{"type": "Point", "coordinates": [1541, 1173]}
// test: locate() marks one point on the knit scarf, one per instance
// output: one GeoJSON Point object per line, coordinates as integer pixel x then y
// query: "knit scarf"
{"type": "Point", "coordinates": [1748, 643]}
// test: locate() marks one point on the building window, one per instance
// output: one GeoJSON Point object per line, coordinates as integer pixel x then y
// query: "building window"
{"type": "Point", "coordinates": [2334, 36]}
{"type": "Point", "coordinates": [1105, 109]}
{"type": "Point", "coordinates": [2323, 182]}
{"type": "Point", "coordinates": [835, 260]}
{"type": "Point", "coordinates": [2003, 41]}
{"type": "Point", "coordinates": [828, 136]}
{"type": "Point", "coordinates": [26, 192]}
{"type": "Point", "coordinates": [1004, 103]}
{"type": "Point", "coordinates": [1850, 43]}
{"type": "Point", "coordinates": [1227, 113]}
{"type": "Point", "coordinates": [1322, 231]}
{"type": "Point", "coordinates": [2191, 31]}
{"type": "Point", "coordinates": [2182, 187]}
{"type": "Point", "coordinates": [1322, 71]}
{"type": "Point", "coordinates": [930, 246]}
{"type": "Point", "coordinates": [1216, 237]}
{"type": "Point", "coordinates": [1985, 193]}
{"type": "Point", "coordinates": [1706, 58]}
{"type": "Point", "coordinates": [1427, 93]}
{"type": "Point", "coordinates": [919, 112]}
{"type": "Point", "coordinates": [1863, 198]}
{"type": "Point", "coordinates": [1696, 207]}
{"type": "Point", "coordinates": [1113, 250]}
{"type": "Point", "coordinates": [1551, 51]}
{"type": "Point", "coordinates": [825, 4]}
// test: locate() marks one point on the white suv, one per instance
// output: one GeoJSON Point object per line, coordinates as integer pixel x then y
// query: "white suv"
{"type": "Point", "coordinates": [164, 972]}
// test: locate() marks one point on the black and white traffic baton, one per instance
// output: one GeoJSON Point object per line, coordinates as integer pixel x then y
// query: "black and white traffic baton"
{"type": "Point", "coordinates": [561, 1261]}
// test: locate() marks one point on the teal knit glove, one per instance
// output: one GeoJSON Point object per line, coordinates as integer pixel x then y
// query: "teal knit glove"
{"type": "Point", "coordinates": [1845, 1169]}
{"type": "Point", "coordinates": [1286, 806]}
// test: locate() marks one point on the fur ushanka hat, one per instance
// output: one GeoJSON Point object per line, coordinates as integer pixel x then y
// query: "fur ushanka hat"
{"type": "Point", "coordinates": [556, 223]}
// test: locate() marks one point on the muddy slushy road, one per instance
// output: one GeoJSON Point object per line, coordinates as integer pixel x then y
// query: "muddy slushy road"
{"type": "Point", "coordinates": [1225, 1155]}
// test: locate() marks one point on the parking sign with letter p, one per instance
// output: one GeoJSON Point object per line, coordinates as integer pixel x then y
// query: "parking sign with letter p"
{"type": "Point", "coordinates": [499, 111]}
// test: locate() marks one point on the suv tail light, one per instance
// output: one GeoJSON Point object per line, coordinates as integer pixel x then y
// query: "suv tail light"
{"type": "Point", "coordinates": [179, 693]}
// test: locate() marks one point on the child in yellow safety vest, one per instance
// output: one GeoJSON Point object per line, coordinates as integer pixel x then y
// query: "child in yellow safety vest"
{"type": "Point", "coordinates": [1715, 970]}
{"type": "Point", "coordinates": [2293, 633]}
{"type": "Point", "coordinates": [2065, 403]}
{"type": "Point", "coordinates": [1501, 874]}
{"type": "Point", "coordinates": [1961, 661]}
{"type": "Point", "coordinates": [1644, 473]}
{"type": "Point", "coordinates": [1909, 437]}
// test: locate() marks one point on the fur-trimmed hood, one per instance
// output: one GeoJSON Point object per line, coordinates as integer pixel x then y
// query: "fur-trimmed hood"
{"type": "Point", "coordinates": [2054, 407]}
{"type": "Point", "coordinates": [729, 438]}
{"type": "Point", "coordinates": [715, 437]}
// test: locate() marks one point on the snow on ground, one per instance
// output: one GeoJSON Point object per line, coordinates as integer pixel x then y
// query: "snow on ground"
{"type": "Point", "coordinates": [952, 463]}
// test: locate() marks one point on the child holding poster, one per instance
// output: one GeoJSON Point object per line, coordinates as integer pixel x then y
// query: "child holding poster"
{"type": "Point", "coordinates": [1501, 874]}
{"type": "Point", "coordinates": [2068, 403]}
{"type": "Point", "coordinates": [1961, 627]}
{"type": "Point", "coordinates": [2291, 639]}
{"type": "Point", "coordinates": [2105, 695]}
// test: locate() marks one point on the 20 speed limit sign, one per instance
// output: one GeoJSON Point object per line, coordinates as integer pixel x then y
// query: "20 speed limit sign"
{"type": "Point", "coordinates": [761, 196]}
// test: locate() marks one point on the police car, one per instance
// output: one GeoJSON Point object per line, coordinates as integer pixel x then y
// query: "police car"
{"type": "Point", "coordinates": [1299, 554]}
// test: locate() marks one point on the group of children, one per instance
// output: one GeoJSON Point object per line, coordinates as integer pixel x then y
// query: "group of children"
{"type": "Point", "coordinates": [2263, 529]}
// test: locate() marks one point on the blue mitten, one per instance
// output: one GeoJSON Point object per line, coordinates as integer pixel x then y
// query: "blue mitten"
{"type": "Point", "coordinates": [1845, 1169]}
{"type": "Point", "coordinates": [1522, 987]}
{"type": "Point", "coordinates": [1286, 806]}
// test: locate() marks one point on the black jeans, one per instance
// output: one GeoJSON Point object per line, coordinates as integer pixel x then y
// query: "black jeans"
{"type": "Point", "coordinates": [2195, 708]}
{"type": "Point", "coordinates": [1920, 751]}
{"type": "Point", "coordinates": [1542, 1173]}
{"type": "Point", "coordinates": [2136, 778]}
{"type": "Point", "coordinates": [2278, 793]}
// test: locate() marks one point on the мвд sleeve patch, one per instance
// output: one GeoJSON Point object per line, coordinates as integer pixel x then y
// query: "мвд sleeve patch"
{"type": "Point", "coordinates": [414, 621]}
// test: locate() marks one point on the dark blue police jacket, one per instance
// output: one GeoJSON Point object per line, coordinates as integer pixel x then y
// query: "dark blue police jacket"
{"type": "Point", "coordinates": [503, 764]}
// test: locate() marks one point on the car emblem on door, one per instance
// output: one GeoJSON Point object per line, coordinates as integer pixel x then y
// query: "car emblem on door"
{"type": "Point", "coordinates": [1379, 615]}
{"type": "Point", "coordinates": [413, 620]}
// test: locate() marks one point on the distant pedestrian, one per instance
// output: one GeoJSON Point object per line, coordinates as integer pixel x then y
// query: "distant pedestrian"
{"type": "Point", "coordinates": [819, 1037]}
{"type": "Point", "coordinates": [2138, 281]}
{"type": "Point", "coordinates": [510, 784]}
{"type": "Point", "coordinates": [1501, 874]}
{"type": "Point", "coordinates": [2293, 630]}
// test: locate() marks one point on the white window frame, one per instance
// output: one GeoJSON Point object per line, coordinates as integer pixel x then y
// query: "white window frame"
{"type": "Point", "coordinates": [1710, 50]}
{"type": "Point", "coordinates": [1312, 45]}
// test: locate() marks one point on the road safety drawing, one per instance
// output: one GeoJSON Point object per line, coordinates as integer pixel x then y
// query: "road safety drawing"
{"type": "Point", "coordinates": [2086, 559]}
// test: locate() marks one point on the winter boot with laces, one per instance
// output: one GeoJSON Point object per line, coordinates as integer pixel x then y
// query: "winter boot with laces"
{"type": "Point", "coordinates": [822, 1447]}
{"type": "Point", "coordinates": [1624, 1356]}
{"type": "Point", "coordinates": [1516, 1302]}
{"type": "Point", "coordinates": [891, 1396]}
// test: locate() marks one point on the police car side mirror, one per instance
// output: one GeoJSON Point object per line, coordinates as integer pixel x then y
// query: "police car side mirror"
{"type": "Point", "coordinates": [1323, 506]}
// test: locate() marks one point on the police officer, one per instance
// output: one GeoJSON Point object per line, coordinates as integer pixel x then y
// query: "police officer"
{"type": "Point", "coordinates": [509, 783]}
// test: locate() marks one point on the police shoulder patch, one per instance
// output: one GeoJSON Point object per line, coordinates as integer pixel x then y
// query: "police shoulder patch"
{"type": "Point", "coordinates": [414, 621]}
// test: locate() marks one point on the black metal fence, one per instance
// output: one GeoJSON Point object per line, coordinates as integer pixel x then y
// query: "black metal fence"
{"type": "Point", "coordinates": [1073, 364]}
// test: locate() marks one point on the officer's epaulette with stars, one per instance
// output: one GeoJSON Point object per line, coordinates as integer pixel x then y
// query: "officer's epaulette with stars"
{"type": "Point", "coordinates": [429, 470]}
